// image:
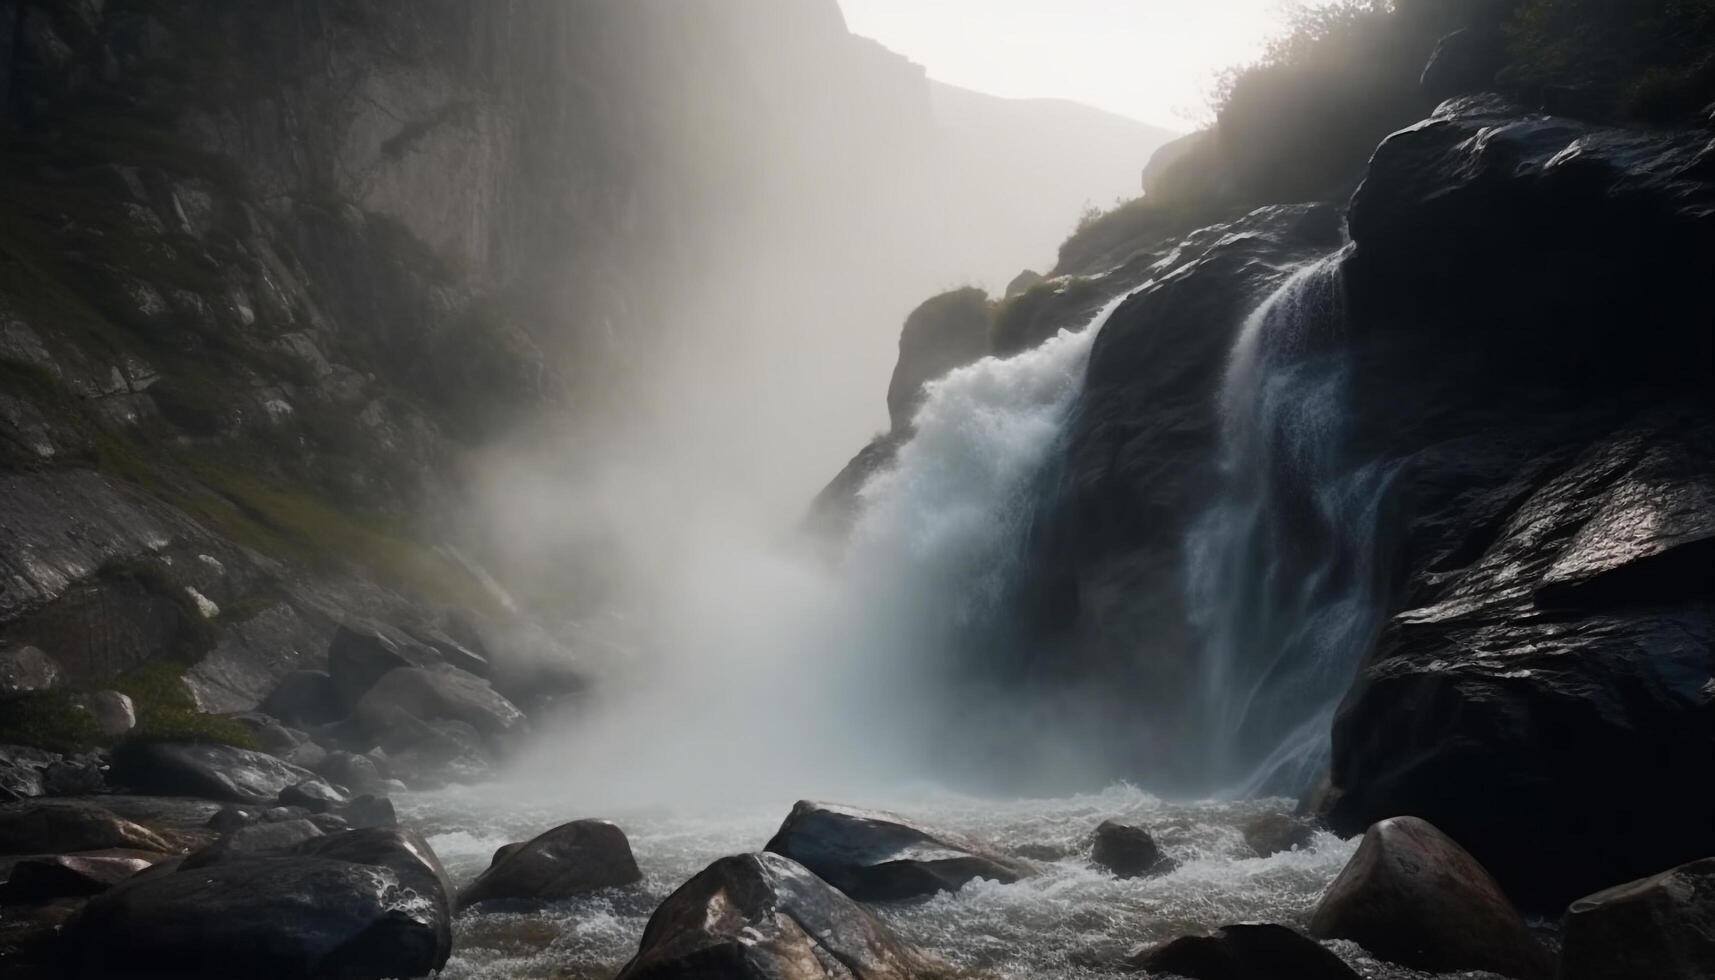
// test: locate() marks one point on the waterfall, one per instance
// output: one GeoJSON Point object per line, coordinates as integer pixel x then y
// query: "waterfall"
{"type": "Point", "coordinates": [1283, 575]}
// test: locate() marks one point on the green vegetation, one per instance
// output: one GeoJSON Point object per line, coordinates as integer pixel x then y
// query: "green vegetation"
{"type": "Point", "coordinates": [1648, 59]}
{"type": "Point", "coordinates": [166, 711]}
{"type": "Point", "coordinates": [49, 720]}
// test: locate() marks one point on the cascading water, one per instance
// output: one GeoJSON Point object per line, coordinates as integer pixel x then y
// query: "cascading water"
{"type": "Point", "coordinates": [1283, 568]}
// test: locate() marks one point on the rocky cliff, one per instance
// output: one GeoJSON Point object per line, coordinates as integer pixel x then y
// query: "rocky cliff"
{"type": "Point", "coordinates": [274, 277]}
{"type": "Point", "coordinates": [1412, 489]}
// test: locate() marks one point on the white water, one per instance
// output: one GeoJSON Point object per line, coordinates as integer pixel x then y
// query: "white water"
{"type": "Point", "coordinates": [1283, 577]}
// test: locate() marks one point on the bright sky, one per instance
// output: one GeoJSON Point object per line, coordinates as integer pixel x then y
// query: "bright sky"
{"type": "Point", "coordinates": [1152, 60]}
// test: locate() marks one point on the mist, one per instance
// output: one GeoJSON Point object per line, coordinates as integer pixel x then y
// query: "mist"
{"type": "Point", "coordinates": [734, 655]}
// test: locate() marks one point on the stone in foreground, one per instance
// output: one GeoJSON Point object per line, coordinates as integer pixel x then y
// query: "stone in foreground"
{"type": "Point", "coordinates": [1412, 896]}
{"type": "Point", "coordinates": [1662, 927]}
{"type": "Point", "coordinates": [878, 857]}
{"type": "Point", "coordinates": [61, 826]}
{"type": "Point", "coordinates": [1244, 952]}
{"type": "Point", "coordinates": [765, 917]}
{"type": "Point", "coordinates": [210, 772]}
{"type": "Point", "coordinates": [1129, 852]}
{"type": "Point", "coordinates": [69, 876]}
{"type": "Point", "coordinates": [359, 905]}
{"type": "Point", "coordinates": [571, 859]}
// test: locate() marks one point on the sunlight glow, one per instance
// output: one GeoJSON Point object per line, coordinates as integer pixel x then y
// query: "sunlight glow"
{"type": "Point", "coordinates": [1153, 60]}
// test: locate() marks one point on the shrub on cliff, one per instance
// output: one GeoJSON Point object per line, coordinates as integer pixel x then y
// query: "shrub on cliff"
{"type": "Point", "coordinates": [1649, 59]}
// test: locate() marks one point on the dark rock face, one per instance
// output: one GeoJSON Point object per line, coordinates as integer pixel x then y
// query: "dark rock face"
{"type": "Point", "coordinates": [304, 697]}
{"type": "Point", "coordinates": [1412, 896]}
{"type": "Point", "coordinates": [571, 859]}
{"type": "Point", "coordinates": [1660, 927]}
{"type": "Point", "coordinates": [946, 332]}
{"type": "Point", "coordinates": [764, 917]}
{"type": "Point", "coordinates": [1129, 852]}
{"type": "Point", "coordinates": [331, 907]}
{"type": "Point", "coordinates": [58, 826]}
{"type": "Point", "coordinates": [438, 694]}
{"type": "Point", "coordinates": [1555, 613]}
{"type": "Point", "coordinates": [364, 652]}
{"type": "Point", "coordinates": [68, 876]}
{"type": "Point", "coordinates": [267, 835]}
{"type": "Point", "coordinates": [1107, 553]}
{"type": "Point", "coordinates": [212, 772]}
{"type": "Point", "coordinates": [879, 857]}
{"type": "Point", "coordinates": [356, 773]}
{"type": "Point", "coordinates": [1245, 952]}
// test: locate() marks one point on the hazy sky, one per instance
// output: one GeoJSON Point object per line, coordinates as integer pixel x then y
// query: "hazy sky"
{"type": "Point", "coordinates": [1153, 60]}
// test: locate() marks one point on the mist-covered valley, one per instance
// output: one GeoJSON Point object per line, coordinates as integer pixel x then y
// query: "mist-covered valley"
{"type": "Point", "coordinates": [674, 489]}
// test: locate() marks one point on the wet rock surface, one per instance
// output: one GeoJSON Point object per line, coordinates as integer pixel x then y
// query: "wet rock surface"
{"type": "Point", "coordinates": [1128, 851]}
{"type": "Point", "coordinates": [1245, 952]}
{"type": "Point", "coordinates": [765, 917]}
{"type": "Point", "coordinates": [876, 857]}
{"type": "Point", "coordinates": [571, 859]}
{"type": "Point", "coordinates": [361, 904]}
{"type": "Point", "coordinates": [48, 826]}
{"type": "Point", "coordinates": [1661, 927]}
{"type": "Point", "coordinates": [1412, 896]}
{"type": "Point", "coordinates": [44, 879]}
{"type": "Point", "coordinates": [204, 770]}
{"type": "Point", "coordinates": [1554, 623]}
{"type": "Point", "coordinates": [439, 694]}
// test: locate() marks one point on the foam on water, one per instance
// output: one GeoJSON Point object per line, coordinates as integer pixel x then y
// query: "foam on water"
{"type": "Point", "coordinates": [1069, 920]}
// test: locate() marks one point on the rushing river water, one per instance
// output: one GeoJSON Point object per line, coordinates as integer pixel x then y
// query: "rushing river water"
{"type": "Point", "coordinates": [1070, 920]}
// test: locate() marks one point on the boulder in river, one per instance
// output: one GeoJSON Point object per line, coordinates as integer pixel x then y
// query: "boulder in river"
{"type": "Point", "coordinates": [1245, 952]}
{"type": "Point", "coordinates": [877, 857]}
{"type": "Point", "coordinates": [1412, 896]}
{"type": "Point", "coordinates": [62, 826]}
{"type": "Point", "coordinates": [1273, 833]}
{"type": "Point", "coordinates": [356, 905]}
{"type": "Point", "coordinates": [257, 837]}
{"type": "Point", "coordinates": [571, 859]}
{"type": "Point", "coordinates": [357, 773]}
{"type": "Point", "coordinates": [205, 770]}
{"type": "Point", "coordinates": [1129, 852]}
{"type": "Point", "coordinates": [766, 917]}
{"type": "Point", "coordinates": [1662, 927]}
{"type": "Point", "coordinates": [54, 876]}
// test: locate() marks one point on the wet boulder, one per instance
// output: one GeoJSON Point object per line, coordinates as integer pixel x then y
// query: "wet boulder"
{"type": "Point", "coordinates": [367, 811]}
{"type": "Point", "coordinates": [437, 694]}
{"type": "Point", "coordinates": [205, 770]}
{"type": "Point", "coordinates": [364, 652]}
{"type": "Point", "coordinates": [357, 773]}
{"type": "Point", "coordinates": [948, 331]}
{"type": "Point", "coordinates": [63, 826]}
{"type": "Point", "coordinates": [1244, 952]}
{"type": "Point", "coordinates": [571, 859]}
{"type": "Point", "coordinates": [1661, 927]}
{"type": "Point", "coordinates": [1412, 896]}
{"type": "Point", "coordinates": [43, 879]}
{"type": "Point", "coordinates": [258, 837]}
{"type": "Point", "coordinates": [304, 697]}
{"type": "Point", "coordinates": [877, 857]}
{"type": "Point", "coordinates": [315, 794]}
{"type": "Point", "coordinates": [428, 754]}
{"type": "Point", "coordinates": [765, 917]}
{"type": "Point", "coordinates": [1129, 852]}
{"type": "Point", "coordinates": [327, 908]}
{"type": "Point", "coordinates": [74, 776]}
{"type": "Point", "coordinates": [22, 770]}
